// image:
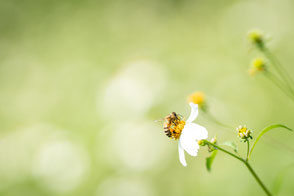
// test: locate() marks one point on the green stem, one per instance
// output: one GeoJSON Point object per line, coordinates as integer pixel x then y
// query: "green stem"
{"type": "Point", "coordinates": [221, 149]}
{"type": "Point", "coordinates": [248, 147]}
{"type": "Point", "coordinates": [279, 84]}
{"type": "Point", "coordinates": [243, 161]}
{"type": "Point", "coordinates": [257, 178]}
{"type": "Point", "coordinates": [279, 68]}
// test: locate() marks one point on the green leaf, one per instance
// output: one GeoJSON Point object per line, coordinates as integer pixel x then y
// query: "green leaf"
{"type": "Point", "coordinates": [210, 159]}
{"type": "Point", "coordinates": [231, 145]}
{"type": "Point", "coordinates": [266, 130]}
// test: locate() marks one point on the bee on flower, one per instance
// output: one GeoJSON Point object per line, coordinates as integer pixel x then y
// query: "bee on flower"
{"type": "Point", "coordinates": [186, 132]}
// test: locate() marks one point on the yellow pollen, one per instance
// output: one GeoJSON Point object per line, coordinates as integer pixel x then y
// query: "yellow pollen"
{"type": "Point", "coordinates": [243, 130]}
{"type": "Point", "coordinates": [176, 133]}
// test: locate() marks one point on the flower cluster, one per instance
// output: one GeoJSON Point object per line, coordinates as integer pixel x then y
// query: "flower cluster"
{"type": "Point", "coordinates": [244, 133]}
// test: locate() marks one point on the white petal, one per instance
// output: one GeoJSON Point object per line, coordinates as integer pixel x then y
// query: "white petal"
{"type": "Point", "coordinates": [194, 112]}
{"type": "Point", "coordinates": [182, 155]}
{"type": "Point", "coordinates": [195, 131]}
{"type": "Point", "coordinates": [189, 144]}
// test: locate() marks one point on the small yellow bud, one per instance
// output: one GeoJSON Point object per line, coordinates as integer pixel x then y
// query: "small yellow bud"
{"type": "Point", "coordinates": [257, 38]}
{"type": "Point", "coordinates": [201, 143]}
{"type": "Point", "coordinates": [197, 98]}
{"type": "Point", "coordinates": [258, 63]}
{"type": "Point", "coordinates": [255, 35]}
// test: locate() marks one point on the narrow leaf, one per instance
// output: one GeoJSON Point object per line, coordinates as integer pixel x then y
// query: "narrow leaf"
{"type": "Point", "coordinates": [210, 159]}
{"type": "Point", "coordinates": [231, 145]}
{"type": "Point", "coordinates": [266, 130]}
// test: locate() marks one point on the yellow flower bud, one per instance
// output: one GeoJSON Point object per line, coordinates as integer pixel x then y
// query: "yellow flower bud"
{"type": "Point", "coordinates": [255, 35]}
{"type": "Point", "coordinates": [201, 143]}
{"type": "Point", "coordinates": [257, 65]}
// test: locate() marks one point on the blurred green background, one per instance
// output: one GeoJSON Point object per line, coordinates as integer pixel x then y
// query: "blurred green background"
{"type": "Point", "coordinates": [82, 84]}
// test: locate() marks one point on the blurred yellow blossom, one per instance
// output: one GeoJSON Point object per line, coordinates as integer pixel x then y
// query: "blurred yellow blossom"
{"type": "Point", "coordinates": [197, 98]}
{"type": "Point", "coordinates": [257, 65]}
{"type": "Point", "coordinates": [256, 37]}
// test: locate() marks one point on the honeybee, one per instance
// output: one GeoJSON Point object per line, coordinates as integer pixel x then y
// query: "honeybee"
{"type": "Point", "coordinates": [170, 122]}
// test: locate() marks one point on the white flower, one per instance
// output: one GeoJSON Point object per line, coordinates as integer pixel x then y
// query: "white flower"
{"type": "Point", "coordinates": [190, 134]}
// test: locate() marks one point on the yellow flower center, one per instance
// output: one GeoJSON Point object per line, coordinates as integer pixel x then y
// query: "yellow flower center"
{"type": "Point", "coordinates": [243, 132]}
{"type": "Point", "coordinates": [173, 125]}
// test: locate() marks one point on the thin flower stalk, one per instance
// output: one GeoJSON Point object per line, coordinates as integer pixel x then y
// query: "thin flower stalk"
{"type": "Point", "coordinates": [276, 81]}
{"type": "Point", "coordinates": [283, 80]}
{"type": "Point", "coordinates": [248, 150]}
{"type": "Point", "coordinates": [279, 68]}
